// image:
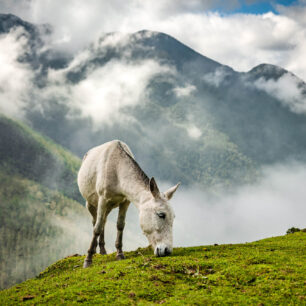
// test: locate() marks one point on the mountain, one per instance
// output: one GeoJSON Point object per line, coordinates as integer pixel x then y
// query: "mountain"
{"type": "Point", "coordinates": [215, 125]}
{"type": "Point", "coordinates": [40, 218]}
{"type": "Point", "coordinates": [194, 120]}
{"type": "Point", "coordinates": [268, 271]}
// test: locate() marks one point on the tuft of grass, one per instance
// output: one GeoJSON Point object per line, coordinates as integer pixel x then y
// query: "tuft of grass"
{"type": "Point", "coordinates": [270, 271]}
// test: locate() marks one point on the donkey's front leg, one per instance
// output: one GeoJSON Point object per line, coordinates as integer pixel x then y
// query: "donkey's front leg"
{"type": "Point", "coordinates": [101, 219]}
{"type": "Point", "coordinates": [120, 227]}
{"type": "Point", "coordinates": [102, 242]}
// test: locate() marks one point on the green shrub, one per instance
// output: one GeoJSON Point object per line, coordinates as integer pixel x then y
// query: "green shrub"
{"type": "Point", "coordinates": [293, 230]}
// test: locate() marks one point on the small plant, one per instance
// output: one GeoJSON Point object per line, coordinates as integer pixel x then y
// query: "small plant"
{"type": "Point", "coordinates": [293, 230]}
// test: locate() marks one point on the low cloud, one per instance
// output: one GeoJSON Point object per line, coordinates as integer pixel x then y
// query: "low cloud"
{"type": "Point", "coordinates": [265, 209]}
{"type": "Point", "coordinates": [217, 77]}
{"type": "Point", "coordinates": [15, 76]}
{"type": "Point", "coordinates": [185, 91]}
{"type": "Point", "coordinates": [193, 131]}
{"type": "Point", "coordinates": [105, 91]}
{"type": "Point", "coordinates": [289, 90]}
{"type": "Point", "coordinates": [118, 84]}
{"type": "Point", "coordinates": [102, 93]}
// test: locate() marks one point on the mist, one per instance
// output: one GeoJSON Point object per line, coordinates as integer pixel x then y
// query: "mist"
{"type": "Point", "coordinates": [268, 208]}
{"type": "Point", "coordinates": [248, 213]}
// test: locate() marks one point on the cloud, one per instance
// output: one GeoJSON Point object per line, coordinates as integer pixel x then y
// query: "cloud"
{"type": "Point", "coordinates": [15, 76]}
{"type": "Point", "coordinates": [105, 91]}
{"type": "Point", "coordinates": [118, 84]}
{"type": "Point", "coordinates": [265, 209]}
{"type": "Point", "coordinates": [241, 41]}
{"type": "Point", "coordinates": [288, 89]}
{"type": "Point", "coordinates": [184, 91]}
{"type": "Point", "coordinates": [217, 77]}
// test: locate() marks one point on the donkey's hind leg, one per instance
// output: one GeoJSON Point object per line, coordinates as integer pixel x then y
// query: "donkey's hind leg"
{"type": "Point", "coordinates": [99, 224]}
{"type": "Point", "coordinates": [93, 211]}
{"type": "Point", "coordinates": [120, 227]}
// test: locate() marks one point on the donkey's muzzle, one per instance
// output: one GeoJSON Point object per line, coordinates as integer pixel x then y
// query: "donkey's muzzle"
{"type": "Point", "coordinates": [161, 250]}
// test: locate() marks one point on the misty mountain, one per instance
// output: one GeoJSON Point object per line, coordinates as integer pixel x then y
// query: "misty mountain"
{"type": "Point", "coordinates": [185, 116]}
{"type": "Point", "coordinates": [40, 219]}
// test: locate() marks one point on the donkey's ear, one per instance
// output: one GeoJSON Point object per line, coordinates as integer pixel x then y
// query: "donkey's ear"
{"type": "Point", "coordinates": [169, 193]}
{"type": "Point", "coordinates": [153, 188]}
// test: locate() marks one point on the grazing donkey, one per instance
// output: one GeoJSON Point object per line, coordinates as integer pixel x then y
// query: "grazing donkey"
{"type": "Point", "coordinates": [110, 177]}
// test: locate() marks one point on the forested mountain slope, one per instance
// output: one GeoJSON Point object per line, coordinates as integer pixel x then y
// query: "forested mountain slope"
{"type": "Point", "coordinates": [37, 227]}
{"type": "Point", "coordinates": [40, 219]}
{"type": "Point", "coordinates": [35, 157]}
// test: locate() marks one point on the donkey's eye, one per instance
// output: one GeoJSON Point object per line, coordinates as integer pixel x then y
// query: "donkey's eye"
{"type": "Point", "coordinates": [161, 215]}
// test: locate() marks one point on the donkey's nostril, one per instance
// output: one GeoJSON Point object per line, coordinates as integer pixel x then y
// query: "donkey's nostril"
{"type": "Point", "coordinates": [167, 251]}
{"type": "Point", "coordinates": [162, 250]}
{"type": "Point", "coordinates": [157, 252]}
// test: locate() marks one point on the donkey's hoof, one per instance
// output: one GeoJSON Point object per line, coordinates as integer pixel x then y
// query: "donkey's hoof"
{"type": "Point", "coordinates": [103, 252]}
{"type": "Point", "coordinates": [87, 263]}
{"type": "Point", "coordinates": [120, 256]}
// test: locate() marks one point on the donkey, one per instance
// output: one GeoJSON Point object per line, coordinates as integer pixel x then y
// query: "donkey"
{"type": "Point", "coordinates": [110, 177]}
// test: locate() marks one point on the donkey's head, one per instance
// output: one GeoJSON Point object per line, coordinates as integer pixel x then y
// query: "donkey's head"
{"type": "Point", "coordinates": [156, 219]}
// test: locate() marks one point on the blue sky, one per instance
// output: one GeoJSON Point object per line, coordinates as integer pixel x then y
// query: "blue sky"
{"type": "Point", "coordinates": [259, 7]}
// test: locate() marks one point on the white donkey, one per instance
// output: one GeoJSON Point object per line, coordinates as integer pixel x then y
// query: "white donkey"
{"type": "Point", "coordinates": [110, 177]}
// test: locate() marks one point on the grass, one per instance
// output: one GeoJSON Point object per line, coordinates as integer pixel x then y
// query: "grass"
{"type": "Point", "coordinates": [270, 271]}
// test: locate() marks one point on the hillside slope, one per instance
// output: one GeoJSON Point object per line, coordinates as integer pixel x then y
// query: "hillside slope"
{"type": "Point", "coordinates": [33, 156]}
{"type": "Point", "coordinates": [41, 219]}
{"type": "Point", "coordinates": [269, 271]}
{"type": "Point", "coordinates": [37, 227]}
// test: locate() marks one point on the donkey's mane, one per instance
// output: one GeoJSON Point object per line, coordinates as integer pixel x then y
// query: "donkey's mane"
{"type": "Point", "coordinates": [141, 175]}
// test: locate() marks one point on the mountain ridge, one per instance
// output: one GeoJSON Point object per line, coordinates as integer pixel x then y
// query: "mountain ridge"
{"type": "Point", "coordinates": [216, 100]}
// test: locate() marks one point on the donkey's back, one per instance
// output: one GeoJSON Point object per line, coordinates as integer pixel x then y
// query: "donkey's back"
{"type": "Point", "coordinates": [101, 168]}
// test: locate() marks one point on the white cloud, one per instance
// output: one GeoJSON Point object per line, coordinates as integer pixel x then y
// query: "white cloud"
{"type": "Point", "coordinates": [241, 41]}
{"type": "Point", "coordinates": [184, 91]}
{"type": "Point", "coordinates": [118, 84]}
{"type": "Point", "coordinates": [15, 76]}
{"type": "Point", "coordinates": [216, 78]}
{"type": "Point", "coordinates": [193, 131]}
{"type": "Point", "coordinates": [262, 210]}
{"type": "Point", "coordinates": [102, 94]}
{"type": "Point", "coordinates": [287, 89]}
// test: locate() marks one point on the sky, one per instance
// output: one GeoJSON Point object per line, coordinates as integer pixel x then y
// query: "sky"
{"type": "Point", "coordinates": [241, 34]}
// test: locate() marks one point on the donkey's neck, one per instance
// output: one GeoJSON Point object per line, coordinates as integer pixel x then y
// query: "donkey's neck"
{"type": "Point", "coordinates": [138, 197]}
{"type": "Point", "coordinates": [135, 190]}
{"type": "Point", "coordinates": [134, 182]}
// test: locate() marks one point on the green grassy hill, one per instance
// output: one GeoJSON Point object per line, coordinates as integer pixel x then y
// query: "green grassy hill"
{"type": "Point", "coordinates": [270, 271]}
